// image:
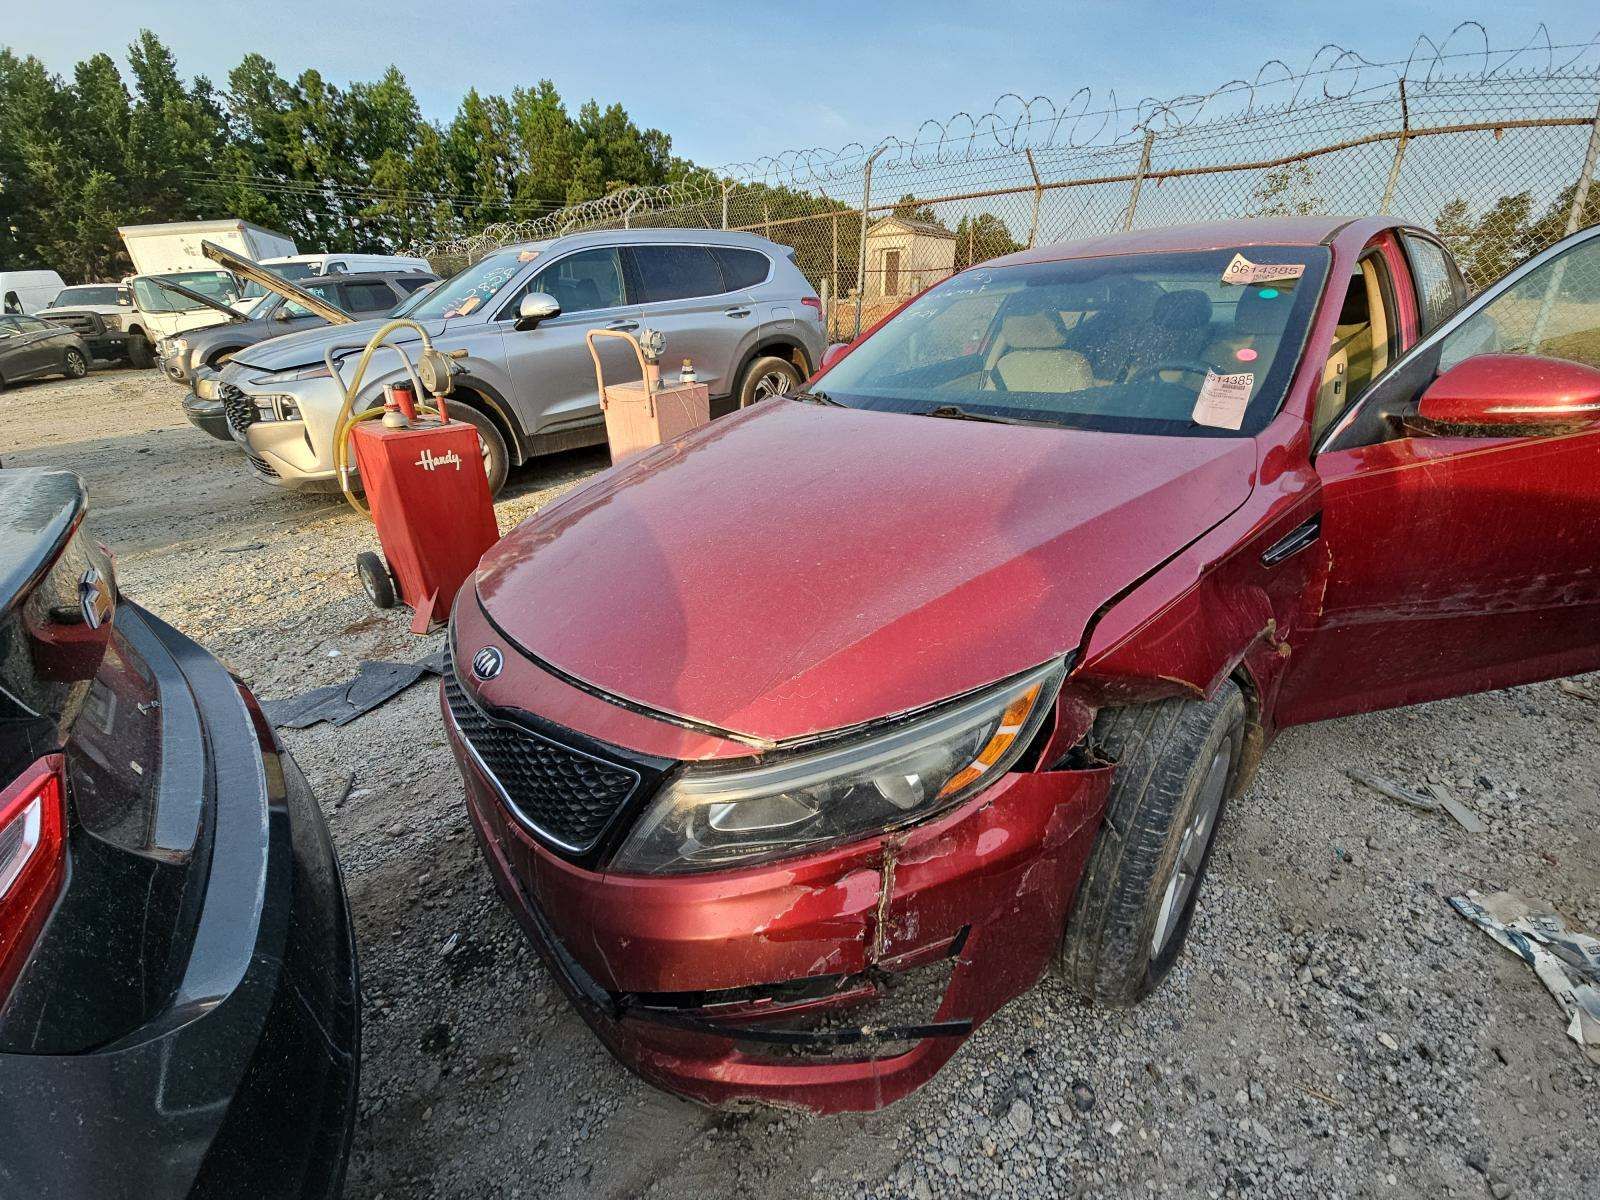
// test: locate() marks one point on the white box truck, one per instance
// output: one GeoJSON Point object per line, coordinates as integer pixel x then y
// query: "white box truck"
{"type": "Point", "coordinates": [171, 252]}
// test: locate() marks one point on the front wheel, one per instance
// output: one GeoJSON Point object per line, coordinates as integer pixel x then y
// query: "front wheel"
{"type": "Point", "coordinates": [769, 376]}
{"type": "Point", "coordinates": [74, 365]}
{"type": "Point", "coordinates": [491, 444]}
{"type": "Point", "coordinates": [139, 352]}
{"type": "Point", "coordinates": [1177, 763]}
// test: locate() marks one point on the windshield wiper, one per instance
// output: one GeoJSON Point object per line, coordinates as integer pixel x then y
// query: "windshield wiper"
{"type": "Point", "coordinates": [816, 398]}
{"type": "Point", "coordinates": [954, 412]}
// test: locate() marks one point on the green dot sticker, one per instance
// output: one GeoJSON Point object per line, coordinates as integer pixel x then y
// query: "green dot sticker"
{"type": "Point", "coordinates": [1268, 293]}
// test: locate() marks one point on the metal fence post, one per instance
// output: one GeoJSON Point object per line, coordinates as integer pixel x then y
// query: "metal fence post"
{"type": "Point", "coordinates": [861, 261]}
{"type": "Point", "coordinates": [727, 186]}
{"type": "Point", "coordinates": [1138, 177]}
{"type": "Point", "coordinates": [1591, 160]}
{"type": "Point", "coordinates": [1580, 197]}
{"type": "Point", "coordinates": [1038, 195]}
{"type": "Point", "coordinates": [1399, 152]}
{"type": "Point", "coordinates": [835, 272]}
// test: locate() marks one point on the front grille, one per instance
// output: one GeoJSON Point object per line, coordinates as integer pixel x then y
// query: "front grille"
{"type": "Point", "coordinates": [82, 324]}
{"type": "Point", "coordinates": [564, 796]}
{"type": "Point", "coordinates": [239, 408]}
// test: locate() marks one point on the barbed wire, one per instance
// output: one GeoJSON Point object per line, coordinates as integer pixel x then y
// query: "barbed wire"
{"type": "Point", "coordinates": [1338, 87]}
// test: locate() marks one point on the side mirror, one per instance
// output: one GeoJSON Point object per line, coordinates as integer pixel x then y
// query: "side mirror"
{"type": "Point", "coordinates": [536, 307]}
{"type": "Point", "coordinates": [281, 313]}
{"type": "Point", "coordinates": [1502, 395]}
{"type": "Point", "coordinates": [833, 354]}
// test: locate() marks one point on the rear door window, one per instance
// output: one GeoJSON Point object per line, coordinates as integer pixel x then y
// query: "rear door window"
{"type": "Point", "coordinates": [742, 268]}
{"type": "Point", "coordinates": [366, 297]}
{"type": "Point", "coordinates": [677, 273]}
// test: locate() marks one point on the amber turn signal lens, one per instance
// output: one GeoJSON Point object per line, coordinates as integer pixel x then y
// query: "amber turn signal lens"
{"type": "Point", "coordinates": [1000, 741]}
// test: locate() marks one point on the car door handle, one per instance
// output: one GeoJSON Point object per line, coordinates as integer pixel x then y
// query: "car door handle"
{"type": "Point", "coordinates": [736, 312]}
{"type": "Point", "coordinates": [1291, 543]}
{"type": "Point", "coordinates": [623, 326]}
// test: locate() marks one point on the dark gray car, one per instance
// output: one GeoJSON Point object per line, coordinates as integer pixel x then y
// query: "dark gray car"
{"type": "Point", "coordinates": [204, 351]}
{"type": "Point", "coordinates": [30, 348]}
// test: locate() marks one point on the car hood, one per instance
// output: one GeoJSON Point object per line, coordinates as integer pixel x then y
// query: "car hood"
{"type": "Point", "coordinates": [795, 568]}
{"type": "Point", "coordinates": [307, 346]}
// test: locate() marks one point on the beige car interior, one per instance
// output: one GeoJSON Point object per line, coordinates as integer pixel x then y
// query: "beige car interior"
{"type": "Point", "coordinates": [1360, 346]}
{"type": "Point", "coordinates": [1029, 354]}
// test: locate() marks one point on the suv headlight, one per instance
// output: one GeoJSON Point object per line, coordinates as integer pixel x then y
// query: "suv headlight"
{"type": "Point", "coordinates": [711, 817]}
{"type": "Point", "coordinates": [111, 320]}
{"type": "Point", "coordinates": [277, 408]}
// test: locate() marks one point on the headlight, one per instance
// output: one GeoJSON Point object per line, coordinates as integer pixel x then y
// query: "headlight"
{"type": "Point", "coordinates": [277, 408]}
{"type": "Point", "coordinates": [111, 321]}
{"type": "Point", "coordinates": [208, 388]}
{"type": "Point", "coordinates": [716, 817]}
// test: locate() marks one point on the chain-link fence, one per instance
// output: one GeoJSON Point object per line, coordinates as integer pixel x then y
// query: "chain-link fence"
{"type": "Point", "coordinates": [1494, 149]}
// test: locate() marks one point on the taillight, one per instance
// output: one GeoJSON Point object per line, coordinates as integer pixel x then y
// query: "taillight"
{"type": "Point", "coordinates": [33, 860]}
{"type": "Point", "coordinates": [812, 302]}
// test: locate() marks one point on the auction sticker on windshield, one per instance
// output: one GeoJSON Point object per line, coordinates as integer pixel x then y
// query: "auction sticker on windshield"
{"type": "Point", "coordinates": [1223, 399]}
{"type": "Point", "coordinates": [1241, 270]}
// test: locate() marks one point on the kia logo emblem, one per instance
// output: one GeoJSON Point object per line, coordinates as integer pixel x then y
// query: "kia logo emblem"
{"type": "Point", "coordinates": [486, 663]}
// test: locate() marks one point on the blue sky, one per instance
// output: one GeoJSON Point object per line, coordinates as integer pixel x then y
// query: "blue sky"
{"type": "Point", "coordinates": [731, 82]}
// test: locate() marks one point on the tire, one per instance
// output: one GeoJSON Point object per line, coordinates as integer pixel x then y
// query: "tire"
{"type": "Point", "coordinates": [496, 458]}
{"type": "Point", "coordinates": [376, 579]}
{"type": "Point", "coordinates": [767, 376]}
{"type": "Point", "coordinates": [222, 358]}
{"type": "Point", "coordinates": [74, 363]}
{"type": "Point", "coordinates": [140, 353]}
{"type": "Point", "coordinates": [1176, 760]}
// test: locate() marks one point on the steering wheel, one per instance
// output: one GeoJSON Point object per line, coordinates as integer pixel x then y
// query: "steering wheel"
{"type": "Point", "coordinates": [1185, 366]}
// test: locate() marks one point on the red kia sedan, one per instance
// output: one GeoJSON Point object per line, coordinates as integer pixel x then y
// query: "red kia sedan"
{"type": "Point", "coordinates": [803, 743]}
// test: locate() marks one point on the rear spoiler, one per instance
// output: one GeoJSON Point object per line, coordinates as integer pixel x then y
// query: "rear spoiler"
{"type": "Point", "coordinates": [249, 269]}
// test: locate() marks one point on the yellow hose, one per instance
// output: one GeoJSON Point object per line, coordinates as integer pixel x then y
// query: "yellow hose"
{"type": "Point", "coordinates": [345, 422]}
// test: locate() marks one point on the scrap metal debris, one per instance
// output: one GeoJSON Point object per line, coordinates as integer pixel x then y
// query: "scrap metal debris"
{"type": "Point", "coordinates": [1437, 799]}
{"type": "Point", "coordinates": [1578, 690]}
{"type": "Point", "coordinates": [341, 703]}
{"type": "Point", "coordinates": [1567, 962]}
{"type": "Point", "coordinates": [1394, 791]}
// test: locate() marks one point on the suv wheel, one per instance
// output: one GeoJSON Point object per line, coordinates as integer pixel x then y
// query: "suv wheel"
{"type": "Point", "coordinates": [496, 458]}
{"type": "Point", "coordinates": [1177, 764]}
{"type": "Point", "coordinates": [139, 352]}
{"type": "Point", "coordinates": [768, 376]}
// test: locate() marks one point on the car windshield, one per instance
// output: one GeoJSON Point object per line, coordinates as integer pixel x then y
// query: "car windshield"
{"type": "Point", "coordinates": [86, 295]}
{"type": "Point", "coordinates": [1195, 342]}
{"type": "Point", "coordinates": [473, 287]}
{"type": "Point", "coordinates": [152, 297]}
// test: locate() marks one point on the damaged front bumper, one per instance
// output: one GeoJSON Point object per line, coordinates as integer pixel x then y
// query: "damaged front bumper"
{"type": "Point", "coordinates": [839, 980]}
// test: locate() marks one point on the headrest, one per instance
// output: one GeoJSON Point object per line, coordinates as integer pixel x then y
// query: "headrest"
{"type": "Point", "coordinates": [1188, 309]}
{"type": "Point", "coordinates": [1259, 312]}
{"type": "Point", "coordinates": [1031, 331]}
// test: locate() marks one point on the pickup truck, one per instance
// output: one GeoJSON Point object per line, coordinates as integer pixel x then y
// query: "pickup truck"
{"type": "Point", "coordinates": [102, 314]}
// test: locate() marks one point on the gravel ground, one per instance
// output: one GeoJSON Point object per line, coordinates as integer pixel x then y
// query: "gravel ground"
{"type": "Point", "coordinates": [1334, 1030]}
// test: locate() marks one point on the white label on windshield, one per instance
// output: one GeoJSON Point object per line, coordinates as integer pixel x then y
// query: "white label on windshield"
{"type": "Point", "coordinates": [1242, 270]}
{"type": "Point", "coordinates": [1223, 399]}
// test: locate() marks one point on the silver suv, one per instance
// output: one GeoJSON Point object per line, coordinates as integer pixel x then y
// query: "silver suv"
{"type": "Point", "coordinates": [733, 303]}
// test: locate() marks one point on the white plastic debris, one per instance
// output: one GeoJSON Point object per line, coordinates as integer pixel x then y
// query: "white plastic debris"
{"type": "Point", "coordinates": [1567, 962]}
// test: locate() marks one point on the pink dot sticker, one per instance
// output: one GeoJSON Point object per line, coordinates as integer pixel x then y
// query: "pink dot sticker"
{"type": "Point", "coordinates": [1245, 355]}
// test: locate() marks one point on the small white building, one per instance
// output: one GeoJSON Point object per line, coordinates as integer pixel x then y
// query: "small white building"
{"type": "Point", "coordinates": [905, 255]}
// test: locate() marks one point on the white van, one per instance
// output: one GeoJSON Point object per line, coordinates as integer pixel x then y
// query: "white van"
{"type": "Point", "coordinates": [28, 291]}
{"type": "Point", "coordinates": [295, 267]}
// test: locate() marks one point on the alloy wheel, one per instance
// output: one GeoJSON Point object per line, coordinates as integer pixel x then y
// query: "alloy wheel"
{"type": "Point", "coordinates": [1192, 849]}
{"type": "Point", "coordinates": [773, 383]}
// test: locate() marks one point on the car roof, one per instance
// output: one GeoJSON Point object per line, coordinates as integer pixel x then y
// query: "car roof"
{"type": "Point", "coordinates": [633, 237]}
{"type": "Point", "coordinates": [1213, 235]}
{"type": "Point", "coordinates": [364, 277]}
